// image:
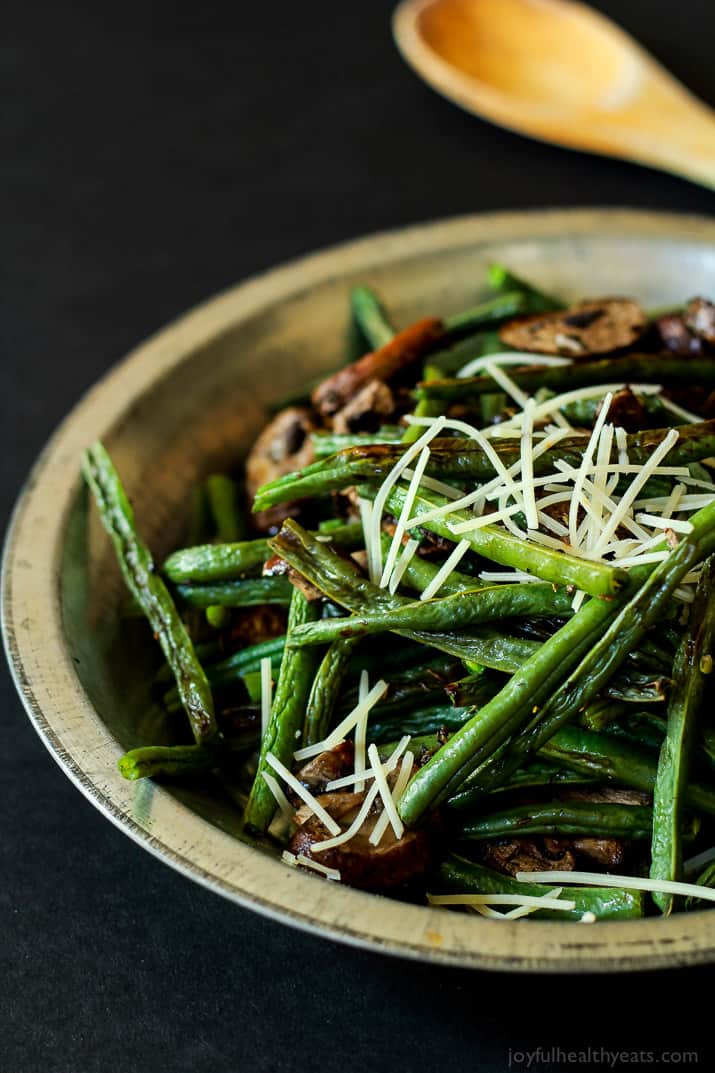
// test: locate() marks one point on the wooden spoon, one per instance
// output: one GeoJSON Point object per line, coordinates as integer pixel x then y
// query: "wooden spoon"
{"type": "Point", "coordinates": [559, 71]}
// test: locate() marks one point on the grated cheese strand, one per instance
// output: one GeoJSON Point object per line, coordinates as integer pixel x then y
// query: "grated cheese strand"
{"type": "Point", "coordinates": [511, 357]}
{"type": "Point", "coordinates": [389, 766]}
{"type": "Point", "coordinates": [526, 910]}
{"type": "Point", "coordinates": [665, 523]}
{"type": "Point", "coordinates": [266, 693]}
{"type": "Point", "coordinates": [408, 553]}
{"type": "Point", "coordinates": [555, 404]}
{"type": "Point", "coordinates": [506, 383]}
{"type": "Point", "coordinates": [400, 786]}
{"type": "Point", "coordinates": [346, 725]}
{"type": "Point", "coordinates": [384, 790]}
{"type": "Point", "coordinates": [412, 490]}
{"type": "Point", "coordinates": [599, 879]}
{"type": "Point", "coordinates": [308, 862]}
{"type": "Point", "coordinates": [541, 901]}
{"type": "Point", "coordinates": [631, 494]}
{"type": "Point", "coordinates": [366, 519]}
{"type": "Point", "coordinates": [527, 465]}
{"type": "Point", "coordinates": [305, 795]}
{"type": "Point", "coordinates": [585, 468]}
{"type": "Point", "coordinates": [352, 830]}
{"type": "Point", "coordinates": [448, 566]}
{"type": "Point", "coordinates": [361, 733]}
{"type": "Point", "coordinates": [373, 546]}
{"type": "Point", "coordinates": [281, 800]}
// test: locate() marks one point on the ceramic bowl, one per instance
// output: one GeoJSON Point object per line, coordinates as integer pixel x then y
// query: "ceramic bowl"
{"type": "Point", "coordinates": [191, 400]}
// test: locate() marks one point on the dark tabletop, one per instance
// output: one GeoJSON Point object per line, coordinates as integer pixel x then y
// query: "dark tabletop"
{"type": "Point", "coordinates": [152, 155]}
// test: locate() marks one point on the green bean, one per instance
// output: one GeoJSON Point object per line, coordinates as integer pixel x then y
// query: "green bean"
{"type": "Point", "coordinates": [420, 572]}
{"type": "Point", "coordinates": [246, 659]}
{"type": "Point", "coordinates": [149, 590]}
{"type": "Point", "coordinates": [562, 819]}
{"type": "Point", "coordinates": [492, 406]}
{"type": "Point", "coordinates": [343, 583]}
{"type": "Point", "coordinates": [622, 636]}
{"type": "Point", "coordinates": [637, 733]}
{"type": "Point", "coordinates": [205, 652]}
{"type": "Point", "coordinates": [234, 667]}
{"type": "Point", "coordinates": [218, 617]}
{"type": "Point", "coordinates": [690, 672]}
{"type": "Point", "coordinates": [326, 444]}
{"type": "Point", "coordinates": [491, 542]}
{"type": "Point", "coordinates": [371, 316]}
{"type": "Point", "coordinates": [490, 727]}
{"type": "Point", "coordinates": [326, 689]}
{"type": "Point", "coordinates": [501, 279]}
{"type": "Point", "coordinates": [228, 562]}
{"type": "Point", "coordinates": [612, 759]}
{"type": "Point", "coordinates": [251, 592]}
{"type": "Point", "coordinates": [451, 359]}
{"type": "Point", "coordinates": [287, 713]}
{"type": "Point", "coordinates": [168, 761]}
{"type": "Point", "coordinates": [417, 722]}
{"type": "Point", "coordinates": [629, 368]}
{"type": "Point", "coordinates": [215, 562]}
{"type": "Point", "coordinates": [540, 773]}
{"type": "Point", "coordinates": [197, 527]}
{"type": "Point", "coordinates": [486, 604]}
{"type": "Point", "coordinates": [223, 500]}
{"type": "Point", "coordinates": [492, 311]}
{"type": "Point", "coordinates": [457, 459]}
{"type": "Point", "coordinates": [601, 713]}
{"type": "Point", "coordinates": [425, 407]}
{"type": "Point", "coordinates": [459, 876]}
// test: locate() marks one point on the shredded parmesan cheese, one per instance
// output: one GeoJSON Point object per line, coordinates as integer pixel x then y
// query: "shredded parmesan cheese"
{"type": "Point", "coordinates": [305, 795]}
{"type": "Point", "coordinates": [597, 879]}
{"type": "Point", "coordinates": [408, 553]}
{"type": "Point", "coordinates": [281, 800]}
{"type": "Point", "coordinates": [404, 516]}
{"type": "Point", "coordinates": [384, 791]}
{"type": "Point", "coordinates": [511, 357]}
{"type": "Point", "coordinates": [351, 720]}
{"type": "Point", "coordinates": [266, 694]}
{"type": "Point", "coordinates": [372, 536]}
{"type": "Point", "coordinates": [447, 567]}
{"type": "Point", "coordinates": [308, 862]}
{"type": "Point", "coordinates": [403, 778]}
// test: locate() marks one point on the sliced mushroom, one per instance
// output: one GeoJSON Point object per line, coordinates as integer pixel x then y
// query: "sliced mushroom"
{"type": "Point", "coordinates": [327, 766]}
{"type": "Point", "coordinates": [378, 868]}
{"type": "Point", "coordinates": [406, 347]}
{"type": "Point", "coordinates": [527, 855]}
{"type": "Point", "coordinates": [390, 864]}
{"type": "Point", "coordinates": [595, 327]}
{"type": "Point", "coordinates": [627, 411]}
{"type": "Point", "coordinates": [700, 318]}
{"type": "Point", "coordinates": [282, 447]}
{"type": "Point", "coordinates": [366, 411]}
{"type": "Point", "coordinates": [607, 852]}
{"type": "Point", "coordinates": [675, 336]}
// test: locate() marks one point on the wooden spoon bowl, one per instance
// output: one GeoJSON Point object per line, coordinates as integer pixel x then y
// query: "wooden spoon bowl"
{"type": "Point", "coordinates": [561, 72]}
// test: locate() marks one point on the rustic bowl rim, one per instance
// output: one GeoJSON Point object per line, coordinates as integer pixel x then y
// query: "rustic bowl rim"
{"type": "Point", "coordinates": [69, 726]}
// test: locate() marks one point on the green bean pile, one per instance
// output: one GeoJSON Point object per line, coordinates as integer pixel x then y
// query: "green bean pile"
{"type": "Point", "coordinates": [530, 666]}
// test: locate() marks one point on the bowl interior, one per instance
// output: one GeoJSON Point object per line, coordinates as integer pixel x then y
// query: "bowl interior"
{"type": "Point", "coordinates": [191, 402]}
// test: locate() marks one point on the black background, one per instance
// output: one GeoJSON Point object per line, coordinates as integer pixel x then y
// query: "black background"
{"type": "Point", "coordinates": [151, 156]}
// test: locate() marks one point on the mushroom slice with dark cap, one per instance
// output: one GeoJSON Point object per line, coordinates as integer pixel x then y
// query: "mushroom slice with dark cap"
{"type": "Point", "coordinates": [283, 447]}
{"type": "Point", "coordinates": [595, 327]}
